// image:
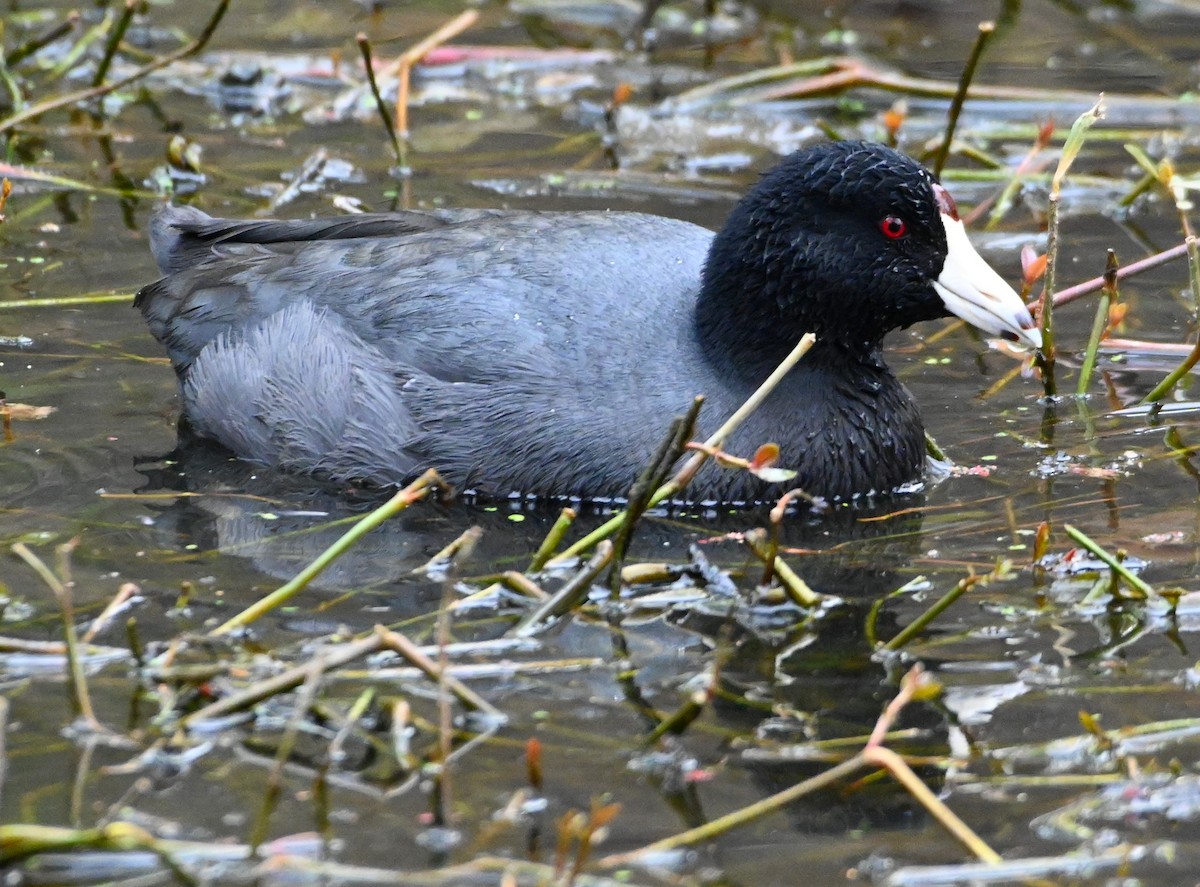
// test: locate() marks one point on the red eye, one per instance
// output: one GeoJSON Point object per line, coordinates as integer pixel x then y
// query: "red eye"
{"type": "Point", "coordinates": [893, 227]}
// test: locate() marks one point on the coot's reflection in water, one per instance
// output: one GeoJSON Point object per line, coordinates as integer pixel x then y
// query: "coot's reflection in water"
{"type": "Point", "coordinates": [280, 522]}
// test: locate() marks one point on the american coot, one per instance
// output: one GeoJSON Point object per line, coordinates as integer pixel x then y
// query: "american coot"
{"type": "Point", "coordinates": [544, 353]}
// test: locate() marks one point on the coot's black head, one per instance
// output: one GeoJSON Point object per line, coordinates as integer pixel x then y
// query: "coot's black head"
{"type": "Point", "coordinates": [848, 240]}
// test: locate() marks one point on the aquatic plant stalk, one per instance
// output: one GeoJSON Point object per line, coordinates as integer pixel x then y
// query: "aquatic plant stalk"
{"type": "Point", "coordinates": [1071, 148]}
{"type": "Point", "coordinates": [414, 492]}
{"type": "Point", "coordinates": [398, 643]}
{"type": "Point", "coordinates": [1029, 164]}
{"type": "Point", "coordinates": [403, 66]}
{"type": "Point", "coordinates": [986, 29]}
{"type": "Point", "coordinates": [1163, 388]}
{"type": "Point", "coordinates": [47, 37]}
{"type": "Point", "coordinates": [287, 743]}
{"type": "Point", "coordinates": [124, 593]}
{"type": "Point", "coordinates": [20, 841]}
{"type": "Point", "coordinates": [16, 98]}
{"type": "Point", "coordinates": [79, 49]}
{"type": "Point", "coordinates": [1184, 204]}
{"type": "Point", "coordinates": [652, 477]}
{"type": "Point", "coordinates": [114, 40]}
{"type": "Point", "coordinates": [569, 596]}
{"type": "Point", "coordinates": [1107, 296]}
{"type": "Point", "coordinates": [834, 74]}
{"type": "Point", "coordinates": [799, 591]}
{"type": "Point", "coordinates": [364, 46]}
{"type": "Point", "coordinates": [459, 549]}
{"type": "Point", "coordinates": [914, 628]}
{"type": "Point", "coordinates": [75, 667]}
{"type": "Point", "coordinates": [349, 724]}
{"type": "Point", "coordinates": [683, 717]}
{"type": "Point", "coordinates": [870, 631]}
{"type": "Point", "coordinates": [1111, 562]}
{"type": "Point", "coordinates": [335, 657]}
{"type": "Point", "coordinates": [553, 539]}
{"type": "Point", "coordinates": [1079, 290]}
{"type": "Point", "coordinates": [133, 638]}
{"type": "Point", "coordinates": [872, 755]}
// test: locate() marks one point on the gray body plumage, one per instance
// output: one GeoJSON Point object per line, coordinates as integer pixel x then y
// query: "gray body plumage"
{"type": "Point", "coordinates": [478, 349]}
{"type": "Point", "coordinates": [546, 353]}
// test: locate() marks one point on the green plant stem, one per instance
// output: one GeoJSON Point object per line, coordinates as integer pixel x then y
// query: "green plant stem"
{"type": "Point", "coordinates": [569, 596]}
{"type": "Point", "coordinates": [1107, 296]}
{"type": "Point", "coordinates": [986, 29]}
{"type": "Point", "coordinates": [652, 477]}
{"type": "Point", "coordinates": [114, 40]}
{"type": "Point", "coordinates": [415, 491]}
{"type": "Point", "coordinates": [31, 46]}
{"type": "Point", "coordinates": [1111, 562]}
{"type": "Point", "coordinates": [553, 539]}
{"type": "Point", "coordinates": [74, 664]}
{"type": "Point", "coordinates": [870, 630]}
{"type": "Point", "coordinates": [679, 720]}
{"type": "Point", "coordinates": [1163, 388]}
{"type": "Point", "coordinates": [796, 588]}
{"type": "Point", "coordinates": [364, 46]}
{"type": "Point", "coordinates": [334, 658]}
{"type": "Point", "coordinates": [947, 819]}
{"type": "Point", "coordinates": [1071, 148]}
{"type": "Point", "coordinates": [940, 606]}
{"type": "Point", "coordinates": [1046, 354]}
{"type": "Point", "coordinates": [740, 817]}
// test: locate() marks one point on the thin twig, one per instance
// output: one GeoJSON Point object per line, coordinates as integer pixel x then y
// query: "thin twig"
{"type": "Point", "coordinates": [398, 643]}
{"type": "Point", "coordinates": [1079, 290]}
{"type": "Point", "coordinates": [281, 683]}
{"type": "Point", "coordinates": [461, 547]}
{"type": "Point", "coordinates": [412, 56]}
{"type": "Point", "coordinates": [124, 593]}
{"type": "Point", "coordinates": [364, 46]}
{"type": "Point", "coordinates": [63, 595]}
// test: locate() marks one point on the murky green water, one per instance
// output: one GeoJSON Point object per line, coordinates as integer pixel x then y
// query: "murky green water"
{"type": "Point", "coordinates": [1020, 659]}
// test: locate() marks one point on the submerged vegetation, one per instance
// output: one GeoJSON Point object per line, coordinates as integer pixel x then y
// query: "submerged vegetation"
{"type": "Point", "coordinates": [292, 679]}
